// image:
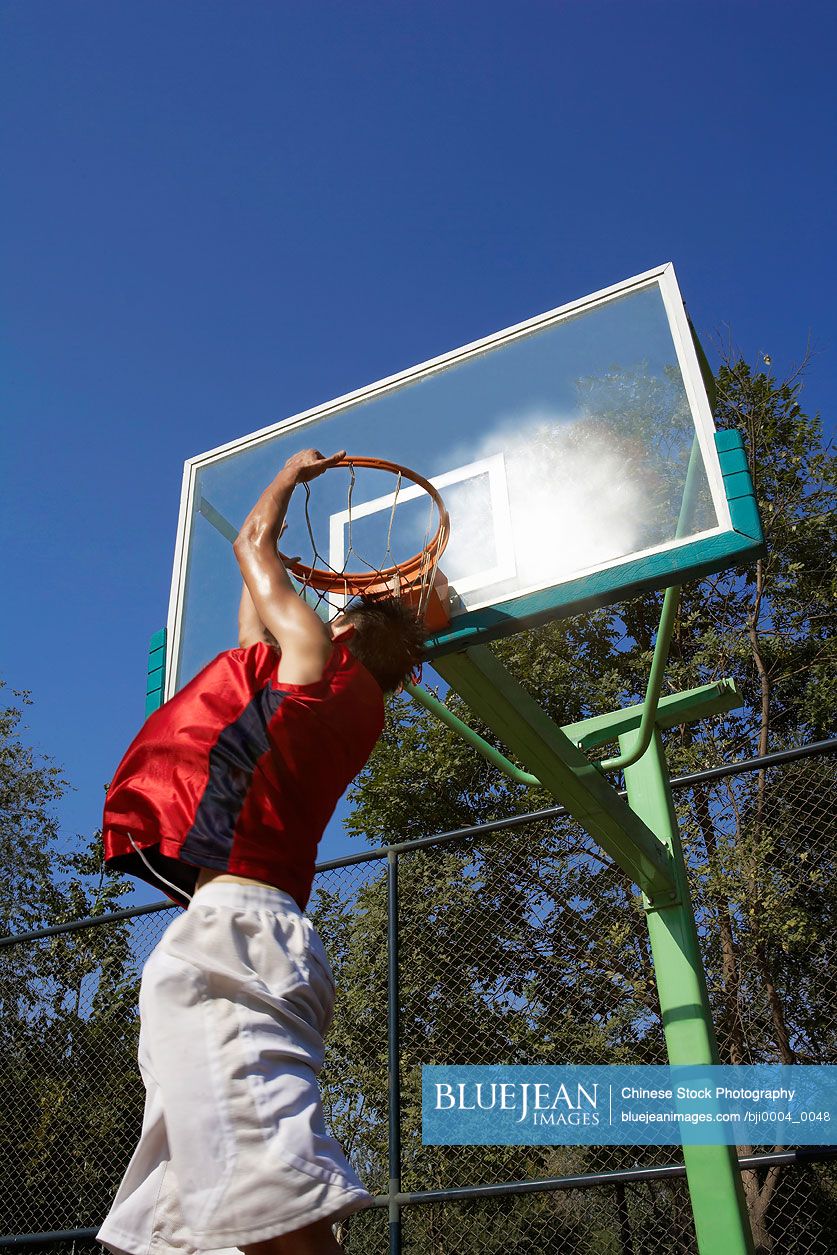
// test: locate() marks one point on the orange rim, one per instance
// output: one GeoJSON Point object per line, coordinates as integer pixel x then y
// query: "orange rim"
{"type": "Point", "coordinates": [412, 572]}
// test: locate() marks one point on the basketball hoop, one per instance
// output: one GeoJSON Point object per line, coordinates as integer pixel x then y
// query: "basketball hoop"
{"type": "Point", "coordinates": [417, 581]}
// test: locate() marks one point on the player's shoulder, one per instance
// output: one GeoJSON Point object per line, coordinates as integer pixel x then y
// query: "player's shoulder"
{"type": "Point", "coordinates": [344, 679]}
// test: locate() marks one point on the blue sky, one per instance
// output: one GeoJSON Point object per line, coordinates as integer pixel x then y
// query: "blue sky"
{"type": "Point", "coordinates": [217, 214]}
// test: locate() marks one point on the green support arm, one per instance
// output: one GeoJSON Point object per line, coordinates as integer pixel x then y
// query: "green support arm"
{"type": "Point", "coordinates": [671, 602]}
{"type": "Point", "coordinates": [676, 708]}
{"type": "Point", "coordinates": [489, 753]}
{"type": "Point", "coordinates": [692, 704]}
{"type": "Point", "coordinates": [552, 758]}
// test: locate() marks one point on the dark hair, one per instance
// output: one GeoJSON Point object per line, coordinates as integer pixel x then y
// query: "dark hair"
{"type": "Point", "coordinates": [388, 639]}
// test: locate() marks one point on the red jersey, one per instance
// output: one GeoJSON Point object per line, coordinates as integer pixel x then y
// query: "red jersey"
{"type": "Point", "coordinates": [241, 772]}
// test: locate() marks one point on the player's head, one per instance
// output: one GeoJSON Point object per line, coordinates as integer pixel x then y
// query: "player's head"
{"type": "Point", "coordinates": [388, 638]}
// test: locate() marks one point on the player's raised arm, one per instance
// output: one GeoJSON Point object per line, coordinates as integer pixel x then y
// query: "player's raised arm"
{"type": "Point", "coordinates": [251, 630]}
{"type": "Point", "coordinates": [250, 627]}
{"type": "Point", "coordinates": [304, 640]}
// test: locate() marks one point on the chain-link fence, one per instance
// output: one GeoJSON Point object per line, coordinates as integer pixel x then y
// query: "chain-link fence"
{"type": "Point", "coordinates": [516, 942]}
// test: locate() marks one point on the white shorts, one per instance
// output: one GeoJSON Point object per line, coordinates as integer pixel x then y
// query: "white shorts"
{"type": "Point", "coordinates": [234, 1004]}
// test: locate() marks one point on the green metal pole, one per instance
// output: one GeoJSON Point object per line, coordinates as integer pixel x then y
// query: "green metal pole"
{"type": "Point", "coordinates": [488, 751]}
{"type": "Point", "coordinates": [720, 1211]}
{"type": "Point", "coordinates": [668, 616]}
{"type": "Point", "coordinates": [640, 743]}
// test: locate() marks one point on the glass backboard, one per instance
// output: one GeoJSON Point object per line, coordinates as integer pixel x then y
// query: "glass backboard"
{"type": "Point", "coordinates": [575, 453]}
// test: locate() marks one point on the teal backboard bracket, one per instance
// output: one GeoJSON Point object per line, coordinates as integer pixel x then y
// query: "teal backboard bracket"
{"type": "Point", "coordinates": [156, 678]}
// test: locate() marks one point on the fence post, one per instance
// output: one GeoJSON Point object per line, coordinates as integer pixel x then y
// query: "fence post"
{"type": "Point", "coordinates": [394, 1056]}
{"type": "Point", "coordinates": [626, 1242]}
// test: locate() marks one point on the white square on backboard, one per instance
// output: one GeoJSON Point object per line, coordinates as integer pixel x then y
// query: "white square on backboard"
{"type": "Point", "coordinates": [503, 567]}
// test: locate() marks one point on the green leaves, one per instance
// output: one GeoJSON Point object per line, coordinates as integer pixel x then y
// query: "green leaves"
{"type": "Point", "coordinates": [70, 1094]}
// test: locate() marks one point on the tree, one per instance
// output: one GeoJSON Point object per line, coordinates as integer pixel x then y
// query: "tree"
{"type": "Point", "coordinates": [69, 1088]}
{"type": "Point", "coordinates": [29, 788]}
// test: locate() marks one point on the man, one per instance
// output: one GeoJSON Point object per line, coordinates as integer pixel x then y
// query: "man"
{"type": "Point", "coordinates": [222, 798]}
